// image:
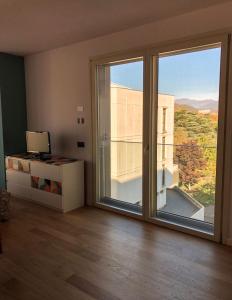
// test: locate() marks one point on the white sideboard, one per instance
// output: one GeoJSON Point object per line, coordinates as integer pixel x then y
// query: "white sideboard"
{"type": "Point", "coordinates": [58, 184]}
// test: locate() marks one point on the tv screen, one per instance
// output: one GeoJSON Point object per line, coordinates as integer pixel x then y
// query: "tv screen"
{"type": "Point", "coordinates": [38, 142]}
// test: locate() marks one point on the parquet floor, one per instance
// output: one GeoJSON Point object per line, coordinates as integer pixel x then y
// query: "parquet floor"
{"type": "Point", "coordinates": [94, 254]}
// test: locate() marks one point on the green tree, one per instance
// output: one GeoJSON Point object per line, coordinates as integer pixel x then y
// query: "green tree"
{"type": "Point", "coordinates": [180, 136]}
{"type": "Point", "coordinates": [204, 192]}
{"type": "Point", "coordinates": [195, 124]}
{"type": "Point", "coordinates": [191, 163]}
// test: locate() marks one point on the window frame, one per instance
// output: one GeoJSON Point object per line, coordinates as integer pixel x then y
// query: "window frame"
{"type": "Point", "coordinates": [150, 79]}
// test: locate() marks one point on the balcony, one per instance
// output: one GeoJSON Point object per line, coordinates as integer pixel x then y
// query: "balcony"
{"type": "Point", "coordinates": [175, 197]}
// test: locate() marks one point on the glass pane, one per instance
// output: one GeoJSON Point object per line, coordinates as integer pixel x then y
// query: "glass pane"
{"type": "Point", "coordinates": [120, 126]}
{"type": "Point", "coordinates": [187, 125]}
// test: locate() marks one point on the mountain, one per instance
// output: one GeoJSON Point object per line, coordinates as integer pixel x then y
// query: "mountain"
{"type": "Point", "coordinates": [207, 104]}
{"type": "Point", "coordinates": [179, 107]}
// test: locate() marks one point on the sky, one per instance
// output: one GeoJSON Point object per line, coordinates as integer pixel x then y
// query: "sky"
{"type": "Point", "coordinates": [193, 75]}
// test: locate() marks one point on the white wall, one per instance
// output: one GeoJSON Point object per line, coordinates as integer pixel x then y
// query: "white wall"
{"type": "Point", "coordinates": [59, 80]}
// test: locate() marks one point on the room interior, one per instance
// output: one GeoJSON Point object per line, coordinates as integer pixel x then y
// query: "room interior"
{"type": "Point", "coordinates": [115, 142]}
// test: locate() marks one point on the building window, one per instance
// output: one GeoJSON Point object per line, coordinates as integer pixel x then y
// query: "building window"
{"type": "Point", "coordinates": [164, 119]}
{"type": "Point", "coordinates": [163, 148]}
{"type": "Point", "coordinates": [163, 175]}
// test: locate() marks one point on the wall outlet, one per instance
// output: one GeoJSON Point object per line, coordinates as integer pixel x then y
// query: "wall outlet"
{"type": "Point", "coordinates": [80, 144]}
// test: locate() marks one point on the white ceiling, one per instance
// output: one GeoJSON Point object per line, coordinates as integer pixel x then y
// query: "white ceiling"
{"type": "Point", "coordinates": [29, 26]}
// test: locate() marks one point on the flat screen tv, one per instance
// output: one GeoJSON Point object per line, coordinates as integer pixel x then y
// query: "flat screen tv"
{"type": "Point", "coordinates": [38, 142]}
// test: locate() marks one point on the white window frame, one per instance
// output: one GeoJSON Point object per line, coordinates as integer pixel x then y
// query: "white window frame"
{"type": "Point", "coordinates": [223, 189]}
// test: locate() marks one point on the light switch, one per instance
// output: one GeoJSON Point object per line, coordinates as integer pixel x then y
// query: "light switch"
{"type": "Point", "coordinates": [80, 108]}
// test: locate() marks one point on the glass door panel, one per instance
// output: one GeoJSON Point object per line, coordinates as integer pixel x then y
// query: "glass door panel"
{"type": "Point", "coordinates": [120, 134]}
{"type": "Point", "coordinates": [187, 134]}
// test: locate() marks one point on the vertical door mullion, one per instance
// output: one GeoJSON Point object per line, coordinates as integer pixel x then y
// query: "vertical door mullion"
{"type": "Point", "coordinates": [227, 183]}
{"type": "Point", "coordinates": [221, 138]}
{"type": "Point", "coordinates": [154, 111]}
{"type": "Point", "coordinates": [149, 133]}
{"type": "Point", "coordinates": [146, 134]}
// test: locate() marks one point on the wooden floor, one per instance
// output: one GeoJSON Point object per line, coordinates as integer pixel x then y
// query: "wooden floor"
{"type": "Point", "coordinates": [93, 254]}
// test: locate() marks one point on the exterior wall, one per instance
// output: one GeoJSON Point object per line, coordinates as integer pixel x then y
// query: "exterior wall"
{"type": "Point", "coordinates": [166, 163]}
{"type": "Point", "coordinates": [126, 144]}
{"type": "Point", "coordinates": [126, 131]}
{"type": "Point", "coordinates": [59, 80]}
{"type": "Point", "coordinates": [200, 214]}
{"type": "Point", "coordinates": [129, 191]}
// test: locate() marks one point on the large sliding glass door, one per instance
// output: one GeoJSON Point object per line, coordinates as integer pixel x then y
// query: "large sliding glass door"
{"type": "Point", "coordinates": [120, 133]}
{"type": "Point", "coordinates": [187, 100]}
{"type": "Point", "coordinates": [160, 134]}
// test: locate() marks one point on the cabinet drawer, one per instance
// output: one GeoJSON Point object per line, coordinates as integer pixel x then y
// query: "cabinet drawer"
{"type": "Point", "coordinates": [47, 199]}
{"type": "Point", "coordinates": [19, 190]}
{"type": "Point", "coordinates": [46, 171]}
{"type": "Point", "coordinates": [18, 178]}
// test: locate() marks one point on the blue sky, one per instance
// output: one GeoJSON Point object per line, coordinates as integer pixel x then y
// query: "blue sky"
{"type": "Point", "coordinates": [192, 75]}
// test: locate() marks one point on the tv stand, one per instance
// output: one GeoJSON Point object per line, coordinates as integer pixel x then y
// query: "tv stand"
{"type": "Point", "coordinates": [44, 156]}
{"type": "Point", "coordinates": [56, 182]}
{"type": "Point", "coordinates": [36, 156]}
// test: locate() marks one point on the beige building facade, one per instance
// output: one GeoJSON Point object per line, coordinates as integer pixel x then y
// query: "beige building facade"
{"type": "Point", "coordinates": [126, 145]}
{"type": "Point", "coordinates": [123, 153]}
